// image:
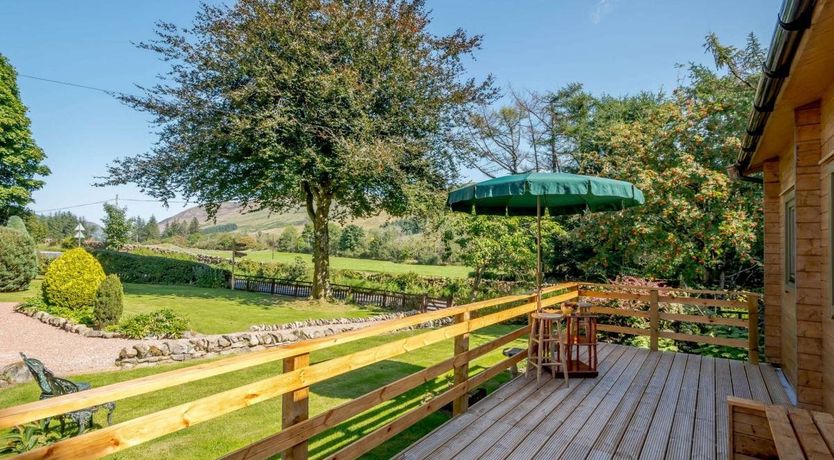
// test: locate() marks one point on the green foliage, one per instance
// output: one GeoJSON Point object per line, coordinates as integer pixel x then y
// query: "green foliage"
{"type": "Point", "coordinates": [71, 281]}
{"type": "Point", "coordinates": [116, 226]}
{"type": "Point", "coordinates": [151, 231]}
{"type": "Point", "coordinates": [351, 240]}
{"type": "Point", "coordinates": [151, 269]}
{"type": "Point", "coordinates": [193, 226]}
{"type": "Point", "coordinates": [297, 270]}
{"type": "Point", "coordinates": [109, 302]}
{"type": "Point", "coordinates": [18, 262]}
{"type": "Point", "coordinates": [43, 263]}
{"type": "Point", "coordinates": [16, 223]}
{"type": "Point", "coordinates": [62, 225]}
{"type": "Point", "coordinates": [164, 323]}
{"type": "Point", "coordinates": [290, 240]}
{"type": "Point", "coordinates": [366, 111]}
{"type": "Point", "coordinates": [23, 438]}
{"type": "Point", "coordinates": [21, 160]}
{"type": "Point", "coordinates": [222, 228]}
{"type": "Point", "coordinates": [36, 227]}
{"type": "Point", "coordinates": [80, 315]}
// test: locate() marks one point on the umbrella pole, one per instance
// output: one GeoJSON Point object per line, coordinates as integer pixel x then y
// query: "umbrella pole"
{"type": "Point", "coordinates": [538, 253]}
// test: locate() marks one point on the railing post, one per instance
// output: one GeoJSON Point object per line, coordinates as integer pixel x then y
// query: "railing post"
{"type": "Point", "coordinates": [295, 407]}
{"type": "Point", "coordinates": [654, 319]}
{"type": "Point", "coordinates": [753, 328]}
{"type": "Point", "coordinates": [461, 403]}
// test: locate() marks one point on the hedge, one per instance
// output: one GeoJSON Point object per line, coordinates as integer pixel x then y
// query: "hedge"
{"type": "Point", "coordinates": [135, 268]}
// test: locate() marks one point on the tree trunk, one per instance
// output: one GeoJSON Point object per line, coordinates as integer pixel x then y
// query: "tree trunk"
{"type": "Point", "coordinates": [476, 284]}
{"type": "Point", "coordinates": [318, 210]}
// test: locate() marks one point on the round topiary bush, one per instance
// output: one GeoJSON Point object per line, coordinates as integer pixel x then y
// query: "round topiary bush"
{"type": "Point", "coordinates": [109, 302]}
{"type": "Point", "coordinates": [71, 281]}
{"type": "Point", "coordinates": [18, 264]}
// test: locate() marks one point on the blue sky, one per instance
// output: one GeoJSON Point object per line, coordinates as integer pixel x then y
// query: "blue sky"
{"type": "Point", "coordinates": [611, 46]}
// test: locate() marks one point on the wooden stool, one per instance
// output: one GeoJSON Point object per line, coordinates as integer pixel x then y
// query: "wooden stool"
{"type": "Point", "coordinates": [548, 346]}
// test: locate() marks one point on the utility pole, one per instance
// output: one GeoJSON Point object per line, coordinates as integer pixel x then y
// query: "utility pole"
{"type": "Point", "coordinates": [117, 200]}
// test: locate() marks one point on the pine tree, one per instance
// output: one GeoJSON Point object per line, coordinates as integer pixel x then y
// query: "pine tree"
{"type": "Point", "coordinates": [193, 226]}
{"type": "Point", "coordinates": [151, 232]}
{"type": "Point", "coordinates": [116, 226]}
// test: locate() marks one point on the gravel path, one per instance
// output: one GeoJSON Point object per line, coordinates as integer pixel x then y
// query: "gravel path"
{"type": "Point", "coordinates": [63, 352]}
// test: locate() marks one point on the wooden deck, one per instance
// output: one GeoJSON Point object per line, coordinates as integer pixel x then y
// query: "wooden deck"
{"type": "Point", "coordinates": [643, 405]}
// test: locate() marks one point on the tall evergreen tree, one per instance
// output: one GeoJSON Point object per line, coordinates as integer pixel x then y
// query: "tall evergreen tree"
{"type": "Point", "coordinates": [151, 232]}
{"type": "Point", "coordinates": [116, 226]}
{"type": "Point", "coordinates": [193, 226]}
{"type": "Point", "coordinates": [21, 160]}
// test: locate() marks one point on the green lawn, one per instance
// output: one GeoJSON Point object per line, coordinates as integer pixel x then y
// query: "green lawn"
{"type": "Point", "coordinates": [235, 430]}
{"type": "Point", "coordinates": [347, 263]}
{"type": "Point", "coordinates": [215, 311]}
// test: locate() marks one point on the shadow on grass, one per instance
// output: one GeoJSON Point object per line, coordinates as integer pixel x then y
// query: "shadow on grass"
{"type": "Point", "coordinates": [372, 378]}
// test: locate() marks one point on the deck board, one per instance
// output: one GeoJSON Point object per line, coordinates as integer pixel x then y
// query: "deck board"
{"type": "Point", "coordinates": [681, 433]}
{"type": "Point", "coordinates": [643, 405]}
{"type": "Point", "coordinates": [703, 438]}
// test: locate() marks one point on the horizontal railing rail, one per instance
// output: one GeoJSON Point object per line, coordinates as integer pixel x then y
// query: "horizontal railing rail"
{"type": "Point", "coordinates": [656, 302]}
{"type": "Point", "coordinates": [293, 385]}
{"type": "Point", "coordinates": [649, 304]}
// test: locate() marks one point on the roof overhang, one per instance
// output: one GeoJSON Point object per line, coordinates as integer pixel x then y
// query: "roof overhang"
{"type": "Point", "coordinates": [804, 75]}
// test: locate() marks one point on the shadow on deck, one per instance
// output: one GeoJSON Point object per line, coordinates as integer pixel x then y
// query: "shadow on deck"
{"type": "Point", "coordinates": [643, 405]}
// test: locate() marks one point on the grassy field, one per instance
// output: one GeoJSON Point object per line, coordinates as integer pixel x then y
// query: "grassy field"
{"type": "Point", "coordinates": [345, 263]}
{"type": "Point", "coordinates": [216, 437]}
{"type": "Point", "coordinates": [216, 311]}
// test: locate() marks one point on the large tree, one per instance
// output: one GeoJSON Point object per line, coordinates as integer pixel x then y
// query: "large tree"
{"type": "Point", "coordinates": [337, 106]}
{"type": "Point", "coordinates": [116, 226]}
{"type": "Point", "coordinates": [21, 160]}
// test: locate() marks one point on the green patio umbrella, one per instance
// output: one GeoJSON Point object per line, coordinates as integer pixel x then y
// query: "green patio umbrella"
{"type": "Point", "coordinates": [529, 193]}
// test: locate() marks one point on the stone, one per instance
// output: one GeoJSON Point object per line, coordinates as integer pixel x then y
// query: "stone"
{"type": "Point", "coordinates": [83, 330]}
{"type": "Point", "coordinates": [155, 350]}
{"type": "Point", "coordinates": [94, 333]}
{"type": "Point", "coordinates": [253, 340]}
{"type": "Point", "coordinates": [223, 342]}
{"type": "Point", "coordinates": [127, 353]}
{"type": "Point", "coordinates": [177, 348]}
{"type": "Point", "coordinates": [141, 350]}
{"type": "Point", "coordinates": [14, 373]}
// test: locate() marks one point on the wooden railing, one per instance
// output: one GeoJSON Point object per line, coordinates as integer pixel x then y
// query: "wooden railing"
{"type": "Point", "coordinates": [293, 385]}
{"type": "Point", "coordinates": [716, 308]}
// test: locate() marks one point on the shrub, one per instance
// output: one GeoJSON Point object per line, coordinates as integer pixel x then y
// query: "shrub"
{"type": "Point", "coordinates": [109, 302]}
{"type": "Point", "coordinates": [16, 223]}
{"type": "Point", "coordinates": [163, 323]}
{"type": "Point", "coordinates": [80, 315]}
{"type": "Point", "coordinates": [71, 281]}
{"type": "Point", "coordinates": [297, 270]}
{"type": "Point", "coordinates": [43, 263]}
{"type": "Point", "coordinates": [136, 268]}
{"type": "Point", "coordinates": [18, 264]}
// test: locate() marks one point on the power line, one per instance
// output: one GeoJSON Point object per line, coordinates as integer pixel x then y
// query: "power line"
{"type": "Point", "coordinates": [139, 200]}
{"type": "Point", "coordinates": [76, 85]}
{"type": "Point", "coordinates": [71, 207]}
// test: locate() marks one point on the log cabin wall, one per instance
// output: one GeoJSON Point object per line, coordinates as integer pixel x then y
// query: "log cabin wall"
{"type": "Point", "coordinates": [826, 185]}
{"type": "Point", "coordinates": [787, 320]}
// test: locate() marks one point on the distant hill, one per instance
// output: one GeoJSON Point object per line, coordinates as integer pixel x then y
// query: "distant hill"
{"type": "Point", "coordinates": [258, 221]}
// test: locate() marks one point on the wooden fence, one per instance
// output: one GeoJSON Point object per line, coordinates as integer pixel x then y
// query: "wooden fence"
{"type": "Point", "coordinates": [357, 295]}
{"type": "Point", "coordinates": [716, 308]}
{"type": "Point", "coordinates": [293, 384]}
